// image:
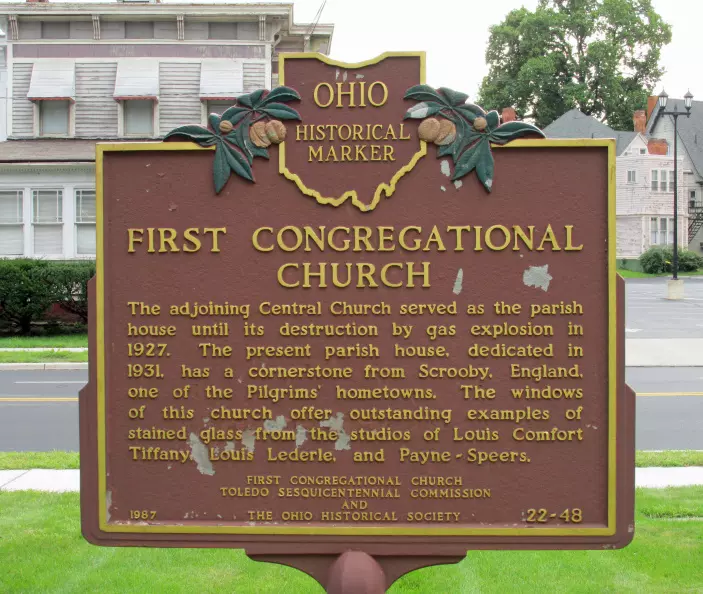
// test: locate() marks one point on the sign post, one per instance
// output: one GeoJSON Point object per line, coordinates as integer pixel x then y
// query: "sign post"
{"type": "Point", "coordinates": [357, 325]}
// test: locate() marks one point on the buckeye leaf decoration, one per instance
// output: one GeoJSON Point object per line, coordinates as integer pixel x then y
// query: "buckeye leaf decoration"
{"type": "Point", "coordinates": [470, 133]}
{"type": "Point", "coordinates": [243, 131]}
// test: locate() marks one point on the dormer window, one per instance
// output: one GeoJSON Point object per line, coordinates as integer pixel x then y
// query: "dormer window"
{"type": "Point", "coordinates": [137, 91]}
{"type": "Point", "coordinates": [54, 118]}
{"type": "Point", "coordinates": [138, 117]}
{"type": "Point", "coordinates": [52, 88]}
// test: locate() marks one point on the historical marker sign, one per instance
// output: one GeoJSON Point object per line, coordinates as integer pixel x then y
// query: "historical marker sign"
{"type": "Point", "coordinates": [402, 338]}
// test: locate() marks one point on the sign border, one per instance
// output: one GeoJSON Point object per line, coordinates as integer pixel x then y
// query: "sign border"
{"type": "Point", "coordinates": [105, 526]}
{"type": "Point", "coordinates": [385, 189]}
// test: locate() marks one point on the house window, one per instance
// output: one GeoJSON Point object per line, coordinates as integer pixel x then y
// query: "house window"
{"type": "Point", "coordinates": [662, 180]}
{"type": "Point", "coordinates": [55, 30]}
{"type": "Point", "coordinates": [643, 151]}
{"type": "Point", "coordinates": [138, 117]}
{"type": "Point", "coordinates": [53, 118]}
{"type": "Point", "coordinates": [631, 176]}
{"type": "Point", "coordinates": [663, 174]}
{"type": "Point", "coordinates": [11, 223]}
{"type": "Point", "coordinates": [47, 221]}
{"type": "Point", "coordinates": [85, 222]}
{"type": "Point", "coordinates": [219, 107]}
{"type": "Point", "coordinates": [139, 30]}
{"type": "Point", "coordinates": [661, 231]}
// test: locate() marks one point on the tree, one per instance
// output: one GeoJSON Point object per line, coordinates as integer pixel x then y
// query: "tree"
{"type": "Point", "coordinates": [599, 56]}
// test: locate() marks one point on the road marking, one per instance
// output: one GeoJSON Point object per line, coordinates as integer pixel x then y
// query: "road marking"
{"type": "Point", "coordinates": [669, 393]}
{"type": "Point", "coordinates": [57, 382]}
{"type": "Point", "coordinates": [37, 399]}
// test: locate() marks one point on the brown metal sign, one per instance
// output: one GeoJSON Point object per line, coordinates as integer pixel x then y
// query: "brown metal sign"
{"type": "Point", "coordinates": [405, 337]}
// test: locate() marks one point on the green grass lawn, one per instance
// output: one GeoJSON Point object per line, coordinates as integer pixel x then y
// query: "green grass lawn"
{"type": "Point", "coordinates": [26, 460]}
{"type": "Point", "coordinates": [28, 342]}
{"type": "Point", "coordinates": [42, 550]}
{"type": "Point", "coordinates": [43, 357]}
{"type": "Point", "coordinates": [63, 460]}
{"type": "Point", "coordinates": [632, 274]}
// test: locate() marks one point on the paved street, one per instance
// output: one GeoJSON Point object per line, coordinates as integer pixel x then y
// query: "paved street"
{"type": "Point", "coordinates": [39, 409]}
{"type": "Point", "coordinates": [648, 314]}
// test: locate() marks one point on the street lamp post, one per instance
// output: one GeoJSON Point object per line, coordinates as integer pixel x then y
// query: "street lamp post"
{"type": "Point", "coordinates": [688, 101]}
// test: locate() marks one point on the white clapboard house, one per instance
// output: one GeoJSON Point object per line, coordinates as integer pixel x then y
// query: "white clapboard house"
{"type": "Point", "coordinates": [73, 74]}
{"type": "Point", "coordinates": [645, 179]}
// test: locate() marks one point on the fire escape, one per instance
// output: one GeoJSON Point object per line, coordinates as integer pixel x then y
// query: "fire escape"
{"type": "Point", "coordinates": [695, 220]}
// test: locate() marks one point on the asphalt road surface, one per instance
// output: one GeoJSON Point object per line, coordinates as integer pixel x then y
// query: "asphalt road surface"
{"type": "Point", "coordinates": [39, 409]}
{"type": "Point", "coordinates": [648, 314]}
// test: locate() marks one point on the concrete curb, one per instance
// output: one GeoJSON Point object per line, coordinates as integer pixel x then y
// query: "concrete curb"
{"type": "Point", "coordinates": [68, 481]}
{"type": "Point", "coordinates": [45, 349]}
{"type": "Point", "coordinates": [42, 366]}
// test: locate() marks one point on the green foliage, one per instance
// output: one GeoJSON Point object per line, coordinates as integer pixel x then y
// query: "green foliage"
{"type": "Point", "coordinates": [688, 260]}
{"type": "Point", "coordinates": [71, 283]}
{"type": "Point", "coordinates": [654, 260]}
{"type": "Point", "coordinates": [600, 56]}
{"type": "Point", "coordinates": [234, 150]}
{"type": "Point", "coordinates": [27, 290]}
{"type": "Point", "coordinates": [471, 147]}
{"type": "Point", "coordinates": [658, 259]}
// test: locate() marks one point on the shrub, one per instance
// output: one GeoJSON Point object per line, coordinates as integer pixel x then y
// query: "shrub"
{"type": "Point", "coordinates": [71, 284]}
{"type": "Point", "coordinates": [688, 260]}
{"type": "Point", "coordinates": [658, 259]}
{"type": "Point", "coordinates": [26, 291]}
{"type": "Point", "coordinates": [654, 260]}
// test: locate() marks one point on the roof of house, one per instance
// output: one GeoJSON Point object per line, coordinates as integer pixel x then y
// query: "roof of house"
{"type": "Point", "coordinates": [47, 150]}
{"type": "Point", "coordinates": [576, 124]}
{"type": "Point", "coordinates": [690, 129]}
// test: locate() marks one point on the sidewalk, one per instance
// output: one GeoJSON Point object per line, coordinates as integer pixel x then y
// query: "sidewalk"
{"type": "Point", "coordinates": [64, 481]}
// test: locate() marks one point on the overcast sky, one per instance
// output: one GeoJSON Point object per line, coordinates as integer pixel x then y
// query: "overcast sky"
{"type": "Point", "coordinates": [454, 35]}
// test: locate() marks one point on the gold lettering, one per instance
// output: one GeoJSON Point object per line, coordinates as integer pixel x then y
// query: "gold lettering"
{"type": "Point", "coordinates": [316, 94]}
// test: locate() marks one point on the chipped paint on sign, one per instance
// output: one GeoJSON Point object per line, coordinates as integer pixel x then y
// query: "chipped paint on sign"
{"type": "Point", "coordinates": [444, 167]}
{"type": "Point", "coordinates": [200, 455]}
{"type": "Point", "coordinates": [537, 277]}
{"type": "Point", "coordinates": [337, 424]}
{"type": "Point", "coordinates": [301, 434]}
{"type": "Point", "coordinates": [458, 282]}
{"type": "Point", "coordinates": [249, 439]}
{"type": "Point", "coordinates": [458, 183]}
{"type": "Point", "coordinates": [278, 424]}
{"type": "Point", "coordinates": [108, 504]}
